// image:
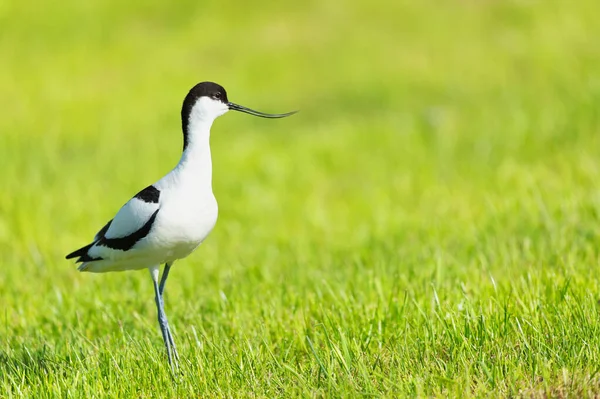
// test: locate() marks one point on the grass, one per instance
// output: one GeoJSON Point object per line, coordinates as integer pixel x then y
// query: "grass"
{"type": "Point", "coordinates": [428, 225]}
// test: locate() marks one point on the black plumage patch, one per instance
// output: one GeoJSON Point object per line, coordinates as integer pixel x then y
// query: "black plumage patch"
{"type": "Point", "coordinates": [80, 252]}
{"type": "Point", "coordinates": [127, 242]}
{"type": "Point", "coordinates": [202, 89]}
{"type": "Point", "coordinates": [150, 195]}
{"type": "Point", "coordinates": [103, 231]}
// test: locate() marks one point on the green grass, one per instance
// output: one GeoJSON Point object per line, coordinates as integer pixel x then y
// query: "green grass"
{"type": "Point", "coordinates": [428, 225]}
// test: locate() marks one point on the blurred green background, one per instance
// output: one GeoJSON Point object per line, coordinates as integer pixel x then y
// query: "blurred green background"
{"type": "Point", "coordinates": [427, 225]}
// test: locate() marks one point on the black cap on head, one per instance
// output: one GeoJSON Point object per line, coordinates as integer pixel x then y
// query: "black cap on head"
{"type": "Point", "coordinates": [202, 89]}
{"type": "Point", "coordinates": [215, 92]}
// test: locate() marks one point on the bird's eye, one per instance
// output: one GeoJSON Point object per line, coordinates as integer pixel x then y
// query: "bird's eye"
{"type": "Point", "coordinates": [217, 96]}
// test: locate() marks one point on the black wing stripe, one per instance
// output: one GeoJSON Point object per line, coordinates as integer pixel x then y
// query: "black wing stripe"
{"type": "Point", "coordinates": [103, 231]}
{"type": "Point", "coordinates": [127, 242]}
{"type": "Point", "coordinates": [80, 252]}
{"type": "Point", "coordinates": [149, 195]}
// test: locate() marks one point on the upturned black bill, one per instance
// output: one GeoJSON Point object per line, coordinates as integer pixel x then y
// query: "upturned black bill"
{"type": "Point", "coordinates": [240, 108]}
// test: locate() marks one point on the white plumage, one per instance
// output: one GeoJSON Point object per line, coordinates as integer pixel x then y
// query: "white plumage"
{"type": "Point", "coordinates": [168, 220]}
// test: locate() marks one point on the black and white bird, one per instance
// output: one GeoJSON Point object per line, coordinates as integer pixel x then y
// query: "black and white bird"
{"type": "Point", "coordinates": [169, 219]}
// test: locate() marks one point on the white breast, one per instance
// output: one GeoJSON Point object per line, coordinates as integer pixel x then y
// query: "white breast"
{"type": "Point", "coordinates": [188, 208]}
{"type": "Point", "coordinates": [187, 215]}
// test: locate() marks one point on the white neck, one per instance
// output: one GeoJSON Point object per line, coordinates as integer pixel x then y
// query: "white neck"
{"type": "Point", "coordinates": [196, 163]}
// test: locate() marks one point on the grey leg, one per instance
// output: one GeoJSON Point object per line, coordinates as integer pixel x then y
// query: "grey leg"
{"type": "Point", "coordinates": [162, 317]}
{"type": "Point", "coordinates": [161, 290]}
{"type": "Point", "coordinates": [163, 279]}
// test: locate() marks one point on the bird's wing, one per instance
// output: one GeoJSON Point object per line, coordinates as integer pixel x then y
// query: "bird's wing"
{"type": "Point", "coordinates": [131, 224]}
{"type": "Point", "coordinates": [132, 216]}
{"type": "Point", "coordinates": [103, 230]}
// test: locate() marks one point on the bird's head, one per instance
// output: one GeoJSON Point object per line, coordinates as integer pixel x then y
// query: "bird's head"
{"type": "Point", "coordinates": [208, 101]}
